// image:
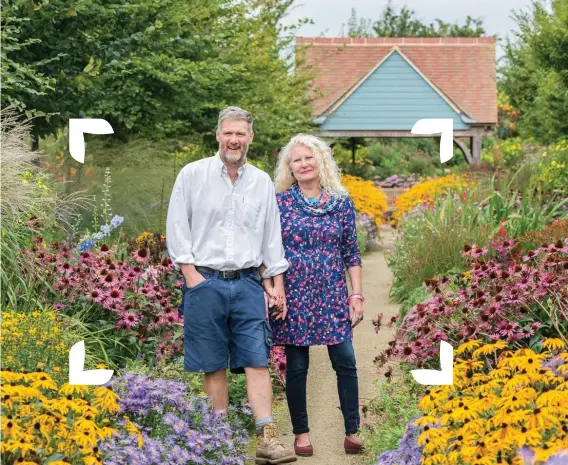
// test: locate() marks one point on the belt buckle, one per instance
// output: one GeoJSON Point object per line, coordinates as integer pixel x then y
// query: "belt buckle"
{"type": "Point", "coordinates": [228, 274]}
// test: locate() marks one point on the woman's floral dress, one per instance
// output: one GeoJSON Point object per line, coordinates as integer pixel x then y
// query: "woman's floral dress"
{"type": "Point", "coordinates": [320, 244]}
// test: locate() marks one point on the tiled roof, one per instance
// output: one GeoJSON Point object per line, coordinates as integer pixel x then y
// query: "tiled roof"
{"type": "Point", "coordinates": [463, 68]}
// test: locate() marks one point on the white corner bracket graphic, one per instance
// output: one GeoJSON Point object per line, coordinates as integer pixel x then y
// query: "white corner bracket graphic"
{"type": "Point", "coordinates": [444, 377]}
{"type": "Point", "coordinates": [444, 126]}
{"type": "Point", "coordinates": [76, 365]}
{"type": "Point", "coordinates": [80, 126]}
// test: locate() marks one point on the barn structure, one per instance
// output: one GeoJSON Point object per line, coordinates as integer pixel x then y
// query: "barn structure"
{"type": "Point", "coordinates": [380, 87]}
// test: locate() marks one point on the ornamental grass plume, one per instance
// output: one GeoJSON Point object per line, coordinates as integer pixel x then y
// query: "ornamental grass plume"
{"type": "Point", "coordinates": [29, 201]}
{"type": "Point", "coordinates": [501, 401]}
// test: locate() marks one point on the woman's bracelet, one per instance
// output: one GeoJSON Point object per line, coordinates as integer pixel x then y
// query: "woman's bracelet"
{"type": "Point", "coordinates": [355, 296]}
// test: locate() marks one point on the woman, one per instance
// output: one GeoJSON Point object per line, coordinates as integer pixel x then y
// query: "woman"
{"type": "Point", "coordinates": [320, 240]}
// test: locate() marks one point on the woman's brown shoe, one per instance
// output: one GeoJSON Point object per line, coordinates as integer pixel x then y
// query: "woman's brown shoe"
{"type": "Point", "coordinates": [353, 447]}
{"type": "Point", "coordinates": [303, 451]}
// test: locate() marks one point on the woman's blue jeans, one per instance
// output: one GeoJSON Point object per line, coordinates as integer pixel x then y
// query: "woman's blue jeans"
{"type": "Point", "coordinates": [342, 358]}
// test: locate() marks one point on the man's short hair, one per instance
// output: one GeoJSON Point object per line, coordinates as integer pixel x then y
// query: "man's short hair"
{"type": "Point", "coordinates": [235, 113]}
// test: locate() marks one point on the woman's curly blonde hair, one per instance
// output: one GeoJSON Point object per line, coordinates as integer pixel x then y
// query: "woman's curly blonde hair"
{"type": "Point", "coordinates": [329, 175]}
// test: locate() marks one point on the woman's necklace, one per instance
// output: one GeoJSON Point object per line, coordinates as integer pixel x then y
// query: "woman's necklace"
{"type": "Point", "coordinates": [312, 200]}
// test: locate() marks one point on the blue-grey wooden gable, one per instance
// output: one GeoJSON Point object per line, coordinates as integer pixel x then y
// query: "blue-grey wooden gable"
{"type": "Point", "coordinates": [393, 97]}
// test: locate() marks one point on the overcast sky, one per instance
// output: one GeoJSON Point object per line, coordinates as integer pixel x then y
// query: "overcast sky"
{"type": "Point", "coordinates": [329, 15]}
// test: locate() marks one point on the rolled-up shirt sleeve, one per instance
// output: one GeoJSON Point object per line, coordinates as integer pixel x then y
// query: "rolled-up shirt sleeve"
{"type": "Point", "coordinates": [272, 248]}
{"type": "Point", "coordinates": [349, 243]}
{"type": "Point", "coordinates": [178, 231]}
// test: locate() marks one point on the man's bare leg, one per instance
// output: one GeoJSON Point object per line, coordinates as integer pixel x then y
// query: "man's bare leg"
{"type": "Point", "coordinates": [269, 448]}
{"type": "Point", "coordinates": [259, 391]}
{"type": "Point", "coordinates": [215, 386]}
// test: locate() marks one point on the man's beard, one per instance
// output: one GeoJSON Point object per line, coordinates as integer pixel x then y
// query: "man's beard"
{"type": "Point", "coordinates": [234, 159]}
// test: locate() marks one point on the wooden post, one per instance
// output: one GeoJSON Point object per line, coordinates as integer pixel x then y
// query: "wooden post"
{"type": "Point", "coordinates": [465, 150]}
{"type": "Point", "coordinates": [353, 152]}
{"type": "Point", "coordinates": [476, 149]}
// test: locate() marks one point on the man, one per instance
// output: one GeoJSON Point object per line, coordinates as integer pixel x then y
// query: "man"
{"type": "Point", "coordinates": [223, 224]}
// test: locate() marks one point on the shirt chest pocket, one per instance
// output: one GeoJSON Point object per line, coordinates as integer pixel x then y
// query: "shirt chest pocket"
{"type": "Point", "coordinates": [251, 213]}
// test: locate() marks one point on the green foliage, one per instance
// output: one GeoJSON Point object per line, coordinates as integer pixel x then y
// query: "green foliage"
{"type": "Point", "coordinates": [552, 169]}
{"type": "Point", "coordinates": [509, 153]}
{"type": "Point", "coordinates": [431, 239]}
{"type": "Point", "coordinates": [403, 23]}
{"type": "Point", "coordinates": [20, 81]}
{"type": "Point", "coordinates": [389, 156]}
{"type": "Point", "coordinates": [363, 239]}
{"type": "Point", "coordinates": [42, 338]}
{"type": "Point", "coordinates": [359, 27]}
{"type": "Point", "coordinates": [392, 409]}
{"type": "Point", "coordinates": [534, 73]}
{"type": "Point", "coordinates": [415, 296]}
{"type": "Point", "coordinates": [162, 67]}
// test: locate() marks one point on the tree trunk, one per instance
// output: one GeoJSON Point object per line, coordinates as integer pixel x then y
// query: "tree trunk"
{"type": "Point", "coordinates": [35, 148]}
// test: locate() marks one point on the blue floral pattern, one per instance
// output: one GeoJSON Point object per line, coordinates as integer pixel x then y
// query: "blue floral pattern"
{"type": "Point", "coordinates": [319, 249]}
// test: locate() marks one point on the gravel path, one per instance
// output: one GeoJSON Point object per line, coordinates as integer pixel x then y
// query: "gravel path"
{"type": "Point", "coordinates": [326, 421]}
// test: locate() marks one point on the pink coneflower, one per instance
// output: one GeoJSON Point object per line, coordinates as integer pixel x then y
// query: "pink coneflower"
{"type": "Point", "coordinates": [477, 252]}
{"type": "Point", "coordinates": [147, 291]}
{"type": "Point", "coordinates": [66, 267]}
{"type": "Point", "coordinates": [141, 255]}
{"type": "Point", "coordinates": [408, 353]}
{"type": "Point", "coordinates": [515, 297]}
{"type": "Point", "coordinates": [96, 294]}
{"type": "Point", "coordinates": [507, 328]}
{"type": "Point", "coordinates": [166, 265]}
{"type": "Point", "coordinates": [115, 295]}
{"type": "Point", "coordinates": [127, 320]}
{"type": "Point", "coordinates": [531, 254]}
{"type": "Point", "coordinates": [108, 280]}
{"type": "Point", "coordinates": [105, 250]}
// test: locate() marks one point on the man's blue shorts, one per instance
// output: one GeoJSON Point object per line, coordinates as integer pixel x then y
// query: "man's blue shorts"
{"type": "Point", "coordinates": [225, 324]}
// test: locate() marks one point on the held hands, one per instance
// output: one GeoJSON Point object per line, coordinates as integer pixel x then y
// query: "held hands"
{"type": "Point", "coordinates": [276, 297]}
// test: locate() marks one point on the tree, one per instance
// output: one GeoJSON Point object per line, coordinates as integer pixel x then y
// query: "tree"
{"type": "Point", "coordinates": [358, 27]}
{"type": "Point", "coordinates": [403, 23]}
{"type": "Point", "coordinates": [20, 82]}
{"type": "Point", "coordinates": [534, 75]}
{"type": "Point", "coordinates": [162, 67]}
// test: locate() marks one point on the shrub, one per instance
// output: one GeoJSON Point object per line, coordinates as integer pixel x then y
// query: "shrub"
{"type": "Point", "coordinates": [501, 400]}
{"type": "Point", "coordinates": [431, 237]}
{"type": "Point", "coordinates": [138, 302]}
{"type": "Point", "coordinates": [367, 198]}
{"type": "Point", "coordinates": [426, 192]}
{"type": "Point", "coordinates": [520, 300]}
{"type": "Point", "coordinates": [159, 423]}
{"type": "Point", "coordinates": [552, 169]}
{"type": "Point", "coordinates": [367, 232]}
{"type": "Point", "coordinates": [41, 339]}
{"type": "Point", "coordinates": [398, 181]}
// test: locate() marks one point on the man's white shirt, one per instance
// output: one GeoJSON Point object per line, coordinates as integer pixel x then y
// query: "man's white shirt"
{"type": "Point", "coordinates": [215, 223]}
